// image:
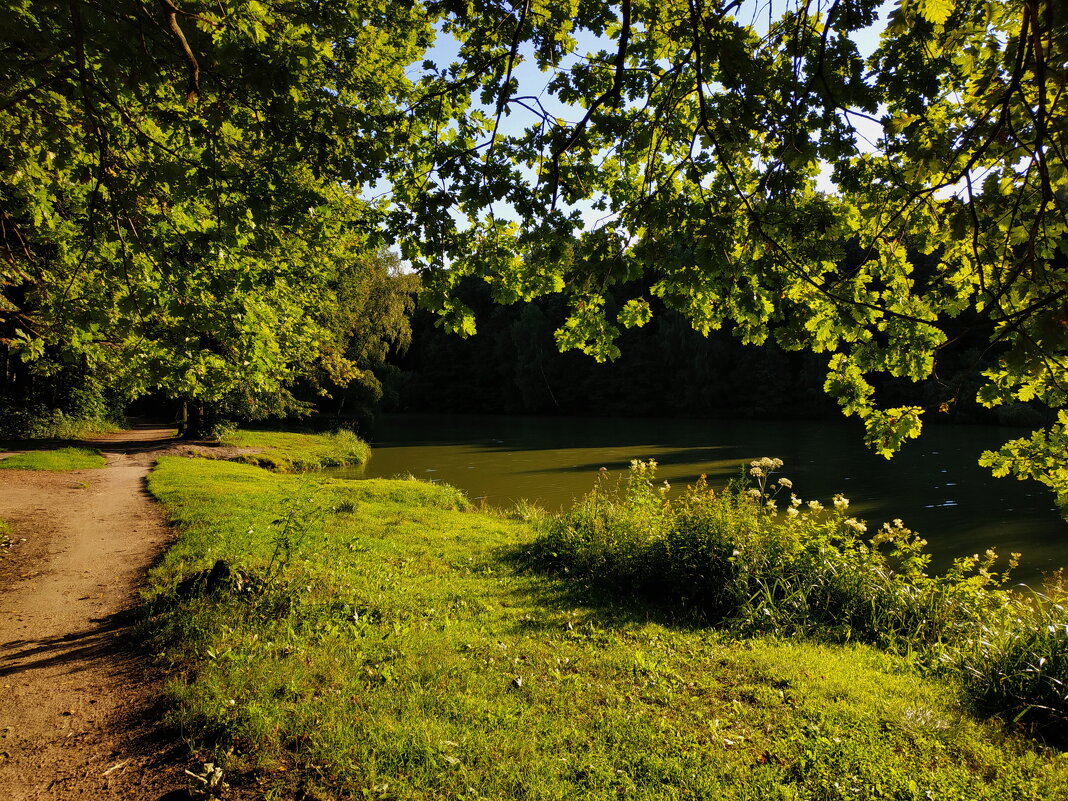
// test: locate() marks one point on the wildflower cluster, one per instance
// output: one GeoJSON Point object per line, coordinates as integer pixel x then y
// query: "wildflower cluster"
{"type": "Point", "coordinates": [765, 490]}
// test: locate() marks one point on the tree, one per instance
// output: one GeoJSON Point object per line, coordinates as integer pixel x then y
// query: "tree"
{"type": "Point", "coordinates": [369, 316]}
{"type": "Point", "coordinates": [179, 183]}
{"type": "Point", "coordinates": [725, 152]}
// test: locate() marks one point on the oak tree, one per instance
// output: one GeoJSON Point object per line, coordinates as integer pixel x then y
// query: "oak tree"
{"type": "Point", "coordinates": [732, 153]}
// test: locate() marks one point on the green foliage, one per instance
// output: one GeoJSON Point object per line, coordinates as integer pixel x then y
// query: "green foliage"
{"type": "Point", "coordinates": [734, 559]}
{"type": "Point", "coordinates": [1020, 671]}
{"type": "Point", "coordinates": [759, 173]}
{"type": "Point", "coordinates": [50, 399]}
{"type": "Point", "coordinates": [1040, 456]}
{"type": "Point", "coordinates": [37, 422]}
{"type": "Point", "coordinates": [400, 655]}
{"type": "Point", "coordinates": [287, 451]}
{"type": "Point", "coordinates": [59, 460]}
{"type": "Point", "coordinates": [180, 186]}
{"type": "Point", "coordinates": [369, 318]}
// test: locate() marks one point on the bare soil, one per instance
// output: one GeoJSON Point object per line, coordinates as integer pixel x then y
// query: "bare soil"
{"type": "Point", "coordinates": [80, 716]}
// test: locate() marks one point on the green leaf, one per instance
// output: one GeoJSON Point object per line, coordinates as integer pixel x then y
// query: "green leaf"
{"type": "Point", "coordinates": [935, 11]}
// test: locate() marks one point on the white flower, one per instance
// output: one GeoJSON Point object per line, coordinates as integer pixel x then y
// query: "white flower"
{"type": "Point", "coordinates": [767, 464]}
{"type": "Point", "coordinates": [791, 512]}
{"type": "Point", "coordinates": [841, 502]}
{"type": "Point", "coordinates": [771, 505]}
{"type": "Point", "coordinates": [815, 506]}
{"type": "Point", "coordinates": [794, 501]}
{"type": "Point", "coordinates": [856, 525]}
{"type": "Point", "coordinates": [785, 482]}
{"type": "Point", "coordinates": [757, 472]}
{"type": "Point", "coordinates": [753, 493]}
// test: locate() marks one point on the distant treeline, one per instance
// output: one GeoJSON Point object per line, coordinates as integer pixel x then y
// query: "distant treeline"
{"type": "Point", "coordinates": [512, 366]}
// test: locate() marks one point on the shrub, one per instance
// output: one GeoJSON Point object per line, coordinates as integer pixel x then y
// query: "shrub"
{"type": "Point", "coordinates": [734, 558]}
{"type": "Point", "coordinates": [1019, 670]}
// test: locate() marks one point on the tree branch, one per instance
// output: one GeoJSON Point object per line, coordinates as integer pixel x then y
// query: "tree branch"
{"type": "Point", "coordinates": [172, 12]}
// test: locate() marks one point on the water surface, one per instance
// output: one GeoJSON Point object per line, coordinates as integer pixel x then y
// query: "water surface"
{"type": "Point", "coordinates": [934, 485]}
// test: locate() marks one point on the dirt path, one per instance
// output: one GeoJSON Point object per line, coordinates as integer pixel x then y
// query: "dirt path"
{"type": "Point", "coordinates": [78, 714]}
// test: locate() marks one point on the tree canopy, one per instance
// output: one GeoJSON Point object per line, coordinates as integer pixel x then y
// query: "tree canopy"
{"type": "Point", "coordinates": [736, 152]}
{"type": "Point", "coordinates": [180, 184]}
{"type": "Point", "coordinates": [182, 181]}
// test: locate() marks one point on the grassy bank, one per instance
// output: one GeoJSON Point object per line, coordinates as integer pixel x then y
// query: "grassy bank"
{"type": "Point", "coordinates": [374, 640]}
{"type": "Point", "coordinates": [756, 558]}
{"type": "Point", "coordinates": [59, 460]}
{"type": "Point", "coordinates": [288, 452]}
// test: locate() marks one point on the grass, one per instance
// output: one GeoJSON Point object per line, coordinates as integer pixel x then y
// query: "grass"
{"type": "Point", "coordinates": [58, 460]}
{"type": "Point", "coordinates": [374, 640]}
{"type": "Point", "coordinates": [5, 536]}
{"type": "Point", "coordinates": [734, 560]}
{"type": "Point", "coordinates": [289, 452]}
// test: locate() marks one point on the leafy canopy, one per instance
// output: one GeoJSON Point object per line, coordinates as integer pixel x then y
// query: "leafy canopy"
{"type": "Point", "coordinates": [735, 153]}
{"type": "Point", "coordinates": [181, 182]}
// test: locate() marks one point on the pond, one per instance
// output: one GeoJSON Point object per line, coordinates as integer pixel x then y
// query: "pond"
{"type": "Point", "coordinates": [935, 485]}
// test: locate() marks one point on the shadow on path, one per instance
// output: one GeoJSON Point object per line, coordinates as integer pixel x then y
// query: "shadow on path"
{"type": "Point", "coordinates": [103, 643]}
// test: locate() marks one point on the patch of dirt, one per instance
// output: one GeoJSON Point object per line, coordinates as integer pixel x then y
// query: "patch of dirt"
{"type": "Point", "coordinates": [207, 450]}
{"type": "Point", "coordinates": [80, 715]}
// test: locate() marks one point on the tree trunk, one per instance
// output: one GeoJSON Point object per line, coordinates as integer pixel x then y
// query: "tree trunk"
{"type": "Point", "coordinates": [194, 422]}
{"type": "Point", "coordinates": [183, 420]}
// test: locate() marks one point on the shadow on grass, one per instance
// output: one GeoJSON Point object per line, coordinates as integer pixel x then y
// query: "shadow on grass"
{"type": "Point", "coordinates": [603, 604]}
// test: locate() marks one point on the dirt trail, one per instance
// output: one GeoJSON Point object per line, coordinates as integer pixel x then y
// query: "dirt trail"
{"type": "Point", "coordinates": [78, 714]}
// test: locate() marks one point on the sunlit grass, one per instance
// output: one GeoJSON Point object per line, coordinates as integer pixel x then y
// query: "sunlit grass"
{"type": "Point", "coordinates": [373, 640]}
{"type": "Point", "coordinates": [58, 460]}
{"type": "Point", "coordinates": [286, 451]}
{"type": "Point", "coordinates": [735, 560]}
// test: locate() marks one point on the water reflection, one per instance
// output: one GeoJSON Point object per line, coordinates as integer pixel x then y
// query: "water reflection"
{"type": "Point", "coordinates": [935, 485]}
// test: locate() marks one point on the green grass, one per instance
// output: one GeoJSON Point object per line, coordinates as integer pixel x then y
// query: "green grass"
{"type": "Point", "coordinates": [374, 640]}
{"type": "Point", "coordinates": [5, 536]}
{"type": "Point", "coordinates": [735, 560]}
{"type": "Point", "coordinates": [288, 452]}
{"type": "Point", "coordinates": [58, 460]}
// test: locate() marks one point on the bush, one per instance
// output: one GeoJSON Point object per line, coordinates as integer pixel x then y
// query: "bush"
{"type": "Point", "coordinates": [734, 558]}
{"type": "Point", "coordinates": [1019, 670]}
